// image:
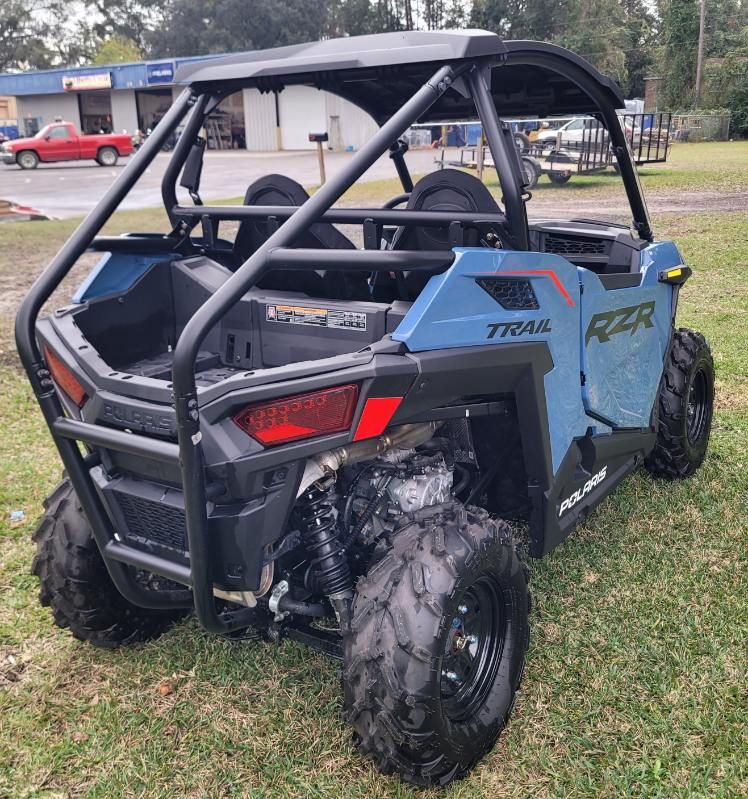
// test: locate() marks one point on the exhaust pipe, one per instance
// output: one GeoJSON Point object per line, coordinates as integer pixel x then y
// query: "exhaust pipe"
{"type": "Point", "coordinates": [404, 438]}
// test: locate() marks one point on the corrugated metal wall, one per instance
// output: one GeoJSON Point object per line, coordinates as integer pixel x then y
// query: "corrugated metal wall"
{"type": "Point", "coordinates": [347, 124]}
{"type": "Point", "coordinates": [302, 111]}
{"type": "Point", "coordinates": [259, 120]}
{"type": "Point", "coordinates": [49, 106]}
{"type": "Point", "coordinates": [124, 111]}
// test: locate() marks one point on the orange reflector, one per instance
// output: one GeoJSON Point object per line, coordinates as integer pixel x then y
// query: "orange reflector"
{"type": "Point", "coordinates": [376, 416]}
{"type": "Point", "coordinates": [302, 416]}
{"type": "Point", "coordinates": [64, 378]}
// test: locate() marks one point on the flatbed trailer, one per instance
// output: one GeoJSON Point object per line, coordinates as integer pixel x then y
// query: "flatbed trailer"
{"type": "Point", "coordinates": [647, 136]}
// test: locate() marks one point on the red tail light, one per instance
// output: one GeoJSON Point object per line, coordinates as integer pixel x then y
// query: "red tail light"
{"type": "Point", "coordinates": [302, 416]}
{"type": "Point", "coordinates": [65, 379]}
{"type": "Point", "coordinates": [375, 417]}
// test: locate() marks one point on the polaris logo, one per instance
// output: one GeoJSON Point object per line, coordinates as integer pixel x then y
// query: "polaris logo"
{"type": "Point", "coordinates": [527, 328]}
{"type": "Point", "coordinates": [134, 418]}
{"type": "Point", "coordinates": [582, 492]}
{"type": "Point", "coordinates": [621, 320]}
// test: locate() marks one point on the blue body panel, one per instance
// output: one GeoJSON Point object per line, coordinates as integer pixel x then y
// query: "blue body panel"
{"type": "Point", "coordinates": [114, 273]}
{"type": "Point", "coordinates": [453, 311]}
{"type": "Point", "coordinates": [621, 375]}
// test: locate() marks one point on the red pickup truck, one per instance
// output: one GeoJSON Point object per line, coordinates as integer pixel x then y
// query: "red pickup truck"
{"type": "Point", "coordinates": [60, 142]}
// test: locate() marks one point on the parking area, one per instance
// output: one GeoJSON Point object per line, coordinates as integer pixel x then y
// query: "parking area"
{"type": "Point", "coordinates": [65, 190]}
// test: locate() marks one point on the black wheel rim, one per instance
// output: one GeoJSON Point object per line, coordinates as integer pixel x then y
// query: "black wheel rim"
{"type": "Point", "coordinates": [697, 411]}
{"type": "Point", "coordinates": [473, 649]}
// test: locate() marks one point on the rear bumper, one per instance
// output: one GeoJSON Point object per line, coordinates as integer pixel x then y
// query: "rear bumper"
{"type": "Point", "coordinates": [149, 519]}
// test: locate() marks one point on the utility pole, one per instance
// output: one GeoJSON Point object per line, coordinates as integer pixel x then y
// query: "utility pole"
{"type": "Point", "coordinates": [700, 55]}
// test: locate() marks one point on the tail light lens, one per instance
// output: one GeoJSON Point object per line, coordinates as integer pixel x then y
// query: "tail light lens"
{"type": "Point", "coordinates": [302, 416]}
{"type": "Point", "coordinates": [65, 379]}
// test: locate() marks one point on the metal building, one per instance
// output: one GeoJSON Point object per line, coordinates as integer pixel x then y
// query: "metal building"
{"type": "Point", "coordinates": [131, 97]}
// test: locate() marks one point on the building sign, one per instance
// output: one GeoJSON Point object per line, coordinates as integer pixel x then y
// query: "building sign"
{"type": "Point", "coordinates": [79, 83]}
{"type": "Point", "coordinates": [160, 73]}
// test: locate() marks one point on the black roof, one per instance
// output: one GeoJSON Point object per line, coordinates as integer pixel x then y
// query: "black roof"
{"type": "Point", "coordinates": [380, 72]}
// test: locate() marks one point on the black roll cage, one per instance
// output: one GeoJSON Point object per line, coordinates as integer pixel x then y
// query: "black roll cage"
{"type": "Point", "coordinates": [471, 78]}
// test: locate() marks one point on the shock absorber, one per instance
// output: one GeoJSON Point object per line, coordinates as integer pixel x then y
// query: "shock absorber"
{"type": "Point", "coordinates": [328, 572]}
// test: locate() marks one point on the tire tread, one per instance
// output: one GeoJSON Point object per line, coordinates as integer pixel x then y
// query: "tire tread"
{"type": "Point", "coordinates": [379, 695]}
{"type": "Point", "coordinates": [75, 585]}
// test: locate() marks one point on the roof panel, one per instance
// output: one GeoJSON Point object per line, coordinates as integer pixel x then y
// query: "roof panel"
{"type": "Point", "coordinates": [380, 72]}
{"type": "Point", "coordinates": [349, 53]}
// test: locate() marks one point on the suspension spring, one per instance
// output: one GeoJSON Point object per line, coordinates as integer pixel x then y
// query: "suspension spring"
{"type": "Point", "coordinates": [328, 571]}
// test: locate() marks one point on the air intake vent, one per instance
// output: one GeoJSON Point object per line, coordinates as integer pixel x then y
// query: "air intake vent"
{"type": "Point", "coordinates": [510, 293]}
{"type": "Point", "coordinates": [575, 245]}
{"type": "Point", "coordinates": [153, 521]}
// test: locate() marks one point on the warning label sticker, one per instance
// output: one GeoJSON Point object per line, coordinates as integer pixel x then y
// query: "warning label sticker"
{"type": "Point", "coordinates": [315, 317]}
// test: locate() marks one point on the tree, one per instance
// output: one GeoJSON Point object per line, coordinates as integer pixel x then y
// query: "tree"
{"type": "Point", "coordinates": [129, 19]}
{"type": "Point", "coordinates": [596, 29]}
{"type": "Point", "coordinates": [25, 27]}
{"type": "Point", "coordinates": [221, 26]}
{"type": "Point", "coordinates": [680, 36]}
{"type": "Point", "coordinates": [504, 17]}
{"type": "Point", "coordinates": [727, 83]}
{"type": "Point", "coordinates": [640, 41]}
{"type": "Point", "coordinates": [117, 49]}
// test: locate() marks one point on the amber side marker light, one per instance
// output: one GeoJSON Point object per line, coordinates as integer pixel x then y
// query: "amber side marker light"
{"type": "Point", "coordinates": [317, 413]}
{"type": "Point", "coordinates": [64, 379]}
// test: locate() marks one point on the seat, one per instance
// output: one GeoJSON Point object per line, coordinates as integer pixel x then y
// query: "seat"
{"type": "Point", "coordinates": [282, 190]}
{"type": "Point", "coordinates": [445, 190]}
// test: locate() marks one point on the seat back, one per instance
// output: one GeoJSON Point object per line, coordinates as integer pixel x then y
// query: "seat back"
{"type": "Point", "coordinates": [284, 191]}
{"type": "Point", "coordinates": [445, 190]}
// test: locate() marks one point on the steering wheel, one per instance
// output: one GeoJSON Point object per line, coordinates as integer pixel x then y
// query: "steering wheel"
{"type": "Point", "coordinates": [398, 199]}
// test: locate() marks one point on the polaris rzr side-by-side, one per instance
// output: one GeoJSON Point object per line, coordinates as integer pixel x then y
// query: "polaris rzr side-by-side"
{"type": "Point", "coordinates": [357, 447]}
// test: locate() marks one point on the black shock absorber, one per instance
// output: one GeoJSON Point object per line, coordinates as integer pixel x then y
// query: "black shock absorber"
{"type": "Point", "coordinates": [328, 571]}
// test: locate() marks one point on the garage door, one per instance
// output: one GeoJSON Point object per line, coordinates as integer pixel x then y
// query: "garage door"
{"type": "Point", "coordinates": [302, 111]}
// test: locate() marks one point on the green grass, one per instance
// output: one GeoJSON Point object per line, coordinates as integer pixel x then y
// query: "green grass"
{"type": "Point", "coordinates": [636, 678]}
{"type": "Point", "coordinates": [706, 167]}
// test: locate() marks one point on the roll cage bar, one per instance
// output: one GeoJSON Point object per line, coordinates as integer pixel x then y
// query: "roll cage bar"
{"type": "Point", "coordinates": [471, 78]}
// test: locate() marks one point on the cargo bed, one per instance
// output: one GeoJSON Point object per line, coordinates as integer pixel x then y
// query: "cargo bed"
{"type": "Point", "coordinates": [265, 329]}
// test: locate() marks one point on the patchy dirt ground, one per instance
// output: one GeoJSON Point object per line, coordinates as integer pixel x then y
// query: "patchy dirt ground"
{"type": "Point", "coordinates": [658, 202]}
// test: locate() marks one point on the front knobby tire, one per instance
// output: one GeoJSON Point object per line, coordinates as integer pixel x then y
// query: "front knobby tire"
{"type": "Point", "coordinates": [685, 406]}
{"type": "Point", "coordinates": [437, 645]}
{"type": "Point", "coordinates": [75, 584]}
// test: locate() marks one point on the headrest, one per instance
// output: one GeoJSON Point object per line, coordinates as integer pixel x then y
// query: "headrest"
{"type": "Point", "coordinates": [445, 190]}
{"type": "Point", "coordinates": [282, 190]}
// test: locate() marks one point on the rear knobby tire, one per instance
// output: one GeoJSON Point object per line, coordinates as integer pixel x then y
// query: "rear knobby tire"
{"type": "Point", "coordinates": [685, 405]}
{"type": "Point", "coordinates": [75, 584]}
{"type": "Point", "coordinates": [422, 701]}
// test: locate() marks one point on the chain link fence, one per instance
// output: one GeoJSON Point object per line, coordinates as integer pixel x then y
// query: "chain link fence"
{"type": "Point", "coordinates": [701, 127]}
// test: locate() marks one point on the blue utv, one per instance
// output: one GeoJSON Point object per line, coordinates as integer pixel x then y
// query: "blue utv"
{"type": "Point", "coordinates": [356, 445]}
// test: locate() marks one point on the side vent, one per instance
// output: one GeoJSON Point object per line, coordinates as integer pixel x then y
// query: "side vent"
{"type": "Point", "coordinates": [574, 245]}
{"type": "Point", "coordinates": [511, 294]}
